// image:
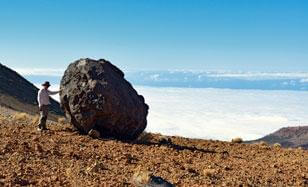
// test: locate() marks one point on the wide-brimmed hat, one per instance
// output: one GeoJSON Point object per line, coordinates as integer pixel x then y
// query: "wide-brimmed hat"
{"type": "Point", "coordinates": [46, 84]}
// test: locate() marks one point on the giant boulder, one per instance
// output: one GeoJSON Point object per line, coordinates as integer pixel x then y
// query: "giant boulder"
{"type": "Point", "coordinates": [95, 95]}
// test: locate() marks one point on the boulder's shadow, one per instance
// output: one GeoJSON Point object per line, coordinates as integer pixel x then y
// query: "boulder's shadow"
{"type": "Point", "coordinates": [166, 143]}
{"type": "Point", "coordinates": [177, 147]}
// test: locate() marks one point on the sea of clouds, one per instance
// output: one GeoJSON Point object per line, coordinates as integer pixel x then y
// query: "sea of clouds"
{"type": "Point", "coordinates": [222, 79]}
{"type": "Point", "coordinates": [198, 79]}
{"type": "Point", "coordinates": [221, 113]}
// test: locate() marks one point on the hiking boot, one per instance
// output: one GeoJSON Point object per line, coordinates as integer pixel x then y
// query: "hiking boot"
{"type": "Point", "coordinates": [42, 129]}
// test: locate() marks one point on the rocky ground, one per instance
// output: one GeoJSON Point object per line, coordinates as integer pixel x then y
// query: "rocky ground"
{"type": "Point", "coordinates": [62, 157]}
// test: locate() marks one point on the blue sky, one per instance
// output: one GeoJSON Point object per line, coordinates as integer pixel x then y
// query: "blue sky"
{"type": "Point", "coordinates": [254, 35]}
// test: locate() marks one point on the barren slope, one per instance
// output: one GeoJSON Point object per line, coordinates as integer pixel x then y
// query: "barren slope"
{"type": "Point", "coordinates": [288, 137]}
{"type": "Point", "coordinates": [62, 157]}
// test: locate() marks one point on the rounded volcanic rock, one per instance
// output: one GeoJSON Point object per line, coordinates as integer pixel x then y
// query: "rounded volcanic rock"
{"type": "Point", "coordinates": [95, 95]}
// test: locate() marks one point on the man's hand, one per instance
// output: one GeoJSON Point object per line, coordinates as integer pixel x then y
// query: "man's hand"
{"type": "Point", "coordinates": [40, 108]}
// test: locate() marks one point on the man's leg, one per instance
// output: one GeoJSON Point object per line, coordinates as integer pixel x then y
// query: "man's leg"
{"type": "Point", "coordinates": [43, 117]}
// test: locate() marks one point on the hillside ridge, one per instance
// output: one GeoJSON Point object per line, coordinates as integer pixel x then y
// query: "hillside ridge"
{"type": "Point", "coordinates": [16, 91]}
{"type": "Point", "coordinates": [287, 137]}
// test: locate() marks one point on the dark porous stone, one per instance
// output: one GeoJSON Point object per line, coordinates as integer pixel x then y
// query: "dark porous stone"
{"type": "Point", "coordinates": [95, 95]}
{"type": "Point", "coordinates": [158, 182]}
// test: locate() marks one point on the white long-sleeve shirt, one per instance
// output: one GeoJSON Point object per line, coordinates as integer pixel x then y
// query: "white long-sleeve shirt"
{"type": "Point", "coordinates": [43, 96]}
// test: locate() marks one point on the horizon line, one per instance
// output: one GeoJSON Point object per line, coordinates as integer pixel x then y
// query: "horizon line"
{"type": "Point", "coordinates": [60, 72]}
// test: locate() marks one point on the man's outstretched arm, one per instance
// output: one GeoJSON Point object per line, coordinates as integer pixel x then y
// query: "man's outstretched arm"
{"type": "Point", "coordinates": [52, 92]}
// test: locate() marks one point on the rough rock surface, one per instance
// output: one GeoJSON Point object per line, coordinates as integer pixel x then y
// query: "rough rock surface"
{"type": "Point", "coordinates": [95, 95]}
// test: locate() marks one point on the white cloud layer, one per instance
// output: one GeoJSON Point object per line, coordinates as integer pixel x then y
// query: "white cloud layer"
{"type": "Point", "coordinates": [261, 75]}
{"type": "Point", "coordinates": [201, 79]}
{"type": "Point", "coordinates": [40, 71]}
{"type": "Point", "coordinates": [222, 113]}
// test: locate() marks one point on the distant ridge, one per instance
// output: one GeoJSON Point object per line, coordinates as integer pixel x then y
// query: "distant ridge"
{"type": "Point", "coordinates": [288, 137]}
{"type": "Point", "coordinates": [19, 94]}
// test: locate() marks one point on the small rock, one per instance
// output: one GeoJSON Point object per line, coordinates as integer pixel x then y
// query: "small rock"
{"type": "Point", "coordinates": [94, 134]}
{"type": "Point", "coordinates": [158, 182]}
{"type": "Point", "coordinates": [39, 148]}
{"type": "Point", "coordinates": [209, 172]}
{"type": "Point", "coordinates": [164, 140]}
{"type": "Point", "coordinates": [22, 182]}
{"type": "Point", "coordinates": [145, 179]}
{"type": "Point", "coordinates": [237, 140]}
{"type": "Point", "coordinates": [96, 167]}
{"type": "Point", "coordinates": [141, 178]}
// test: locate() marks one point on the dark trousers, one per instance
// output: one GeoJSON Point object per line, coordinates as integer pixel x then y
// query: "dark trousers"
{"type": "Point", "coordinates": [43, 116]}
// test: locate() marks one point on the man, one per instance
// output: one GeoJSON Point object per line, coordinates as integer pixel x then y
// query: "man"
{"type": "Point", "coordinates": [43, 100]}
